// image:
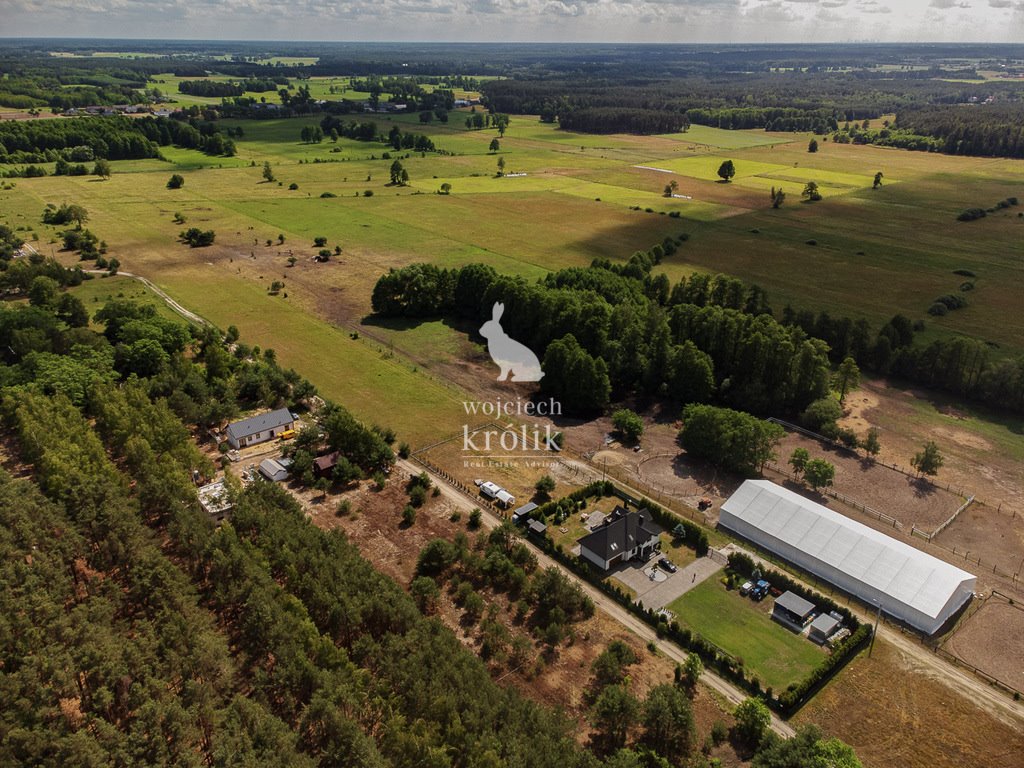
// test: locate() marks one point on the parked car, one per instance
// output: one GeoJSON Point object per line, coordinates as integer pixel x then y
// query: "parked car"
{"type": "Point", "coordinates": [668, 565]}
{"type": "Point", "coordinates": [745, 589]}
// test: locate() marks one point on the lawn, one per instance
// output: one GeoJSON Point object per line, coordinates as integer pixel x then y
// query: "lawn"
{"type": "Point", "coordinates": [725, 139]}
{"type": "Point", "coordinates": [743, 628]}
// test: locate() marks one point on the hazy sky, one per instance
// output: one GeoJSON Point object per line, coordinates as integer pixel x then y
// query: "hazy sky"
{"type": "Point", "coordinates": [523, 20]}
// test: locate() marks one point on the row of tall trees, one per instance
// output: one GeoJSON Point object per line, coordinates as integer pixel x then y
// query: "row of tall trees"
{"type": "Point", "coordinates": [114, 138]}
{"type": "Point", "coordinates": [332, 125]}
{"type": "Point", "coordinates": [984, 129]}
{"type": "Point", "coordinates": [613, 330]}
{"type": "Point", "coordinates": [959, 365]}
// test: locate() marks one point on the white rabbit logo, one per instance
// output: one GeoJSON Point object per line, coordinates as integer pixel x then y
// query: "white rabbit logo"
{"type": "Point", "coordinates": [511, 356]}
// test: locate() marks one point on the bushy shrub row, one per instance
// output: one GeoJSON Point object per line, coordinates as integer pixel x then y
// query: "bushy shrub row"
{"type": "Point", "coordinates": [796, 693]}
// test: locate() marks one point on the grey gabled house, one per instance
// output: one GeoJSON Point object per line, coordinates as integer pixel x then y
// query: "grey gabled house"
{"type": "Point", "coordinates": [260, 428]}
{"type": "Point", "coordinates": [623, 536]}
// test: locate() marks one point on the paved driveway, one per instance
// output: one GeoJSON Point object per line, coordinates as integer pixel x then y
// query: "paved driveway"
{"type": "Point", "coordinates": [657, 594]}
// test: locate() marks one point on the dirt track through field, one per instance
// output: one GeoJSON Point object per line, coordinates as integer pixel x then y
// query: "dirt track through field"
{"type": "Point", "coordinates": [189, 315]}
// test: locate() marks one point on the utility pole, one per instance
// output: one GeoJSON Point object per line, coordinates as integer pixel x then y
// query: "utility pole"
{"type": "Point", "coordinates": [875, 630]}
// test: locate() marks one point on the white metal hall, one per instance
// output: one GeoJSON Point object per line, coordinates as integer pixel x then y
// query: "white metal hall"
{"type": "Point", "coordinates": [907, 583]}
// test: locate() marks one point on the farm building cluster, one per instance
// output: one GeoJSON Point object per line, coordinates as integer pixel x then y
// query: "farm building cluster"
{"type": "Point", "coordinates": [905, 583]}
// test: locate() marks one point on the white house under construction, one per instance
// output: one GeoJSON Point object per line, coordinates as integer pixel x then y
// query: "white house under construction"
{"type": "Point", "coordinates": [908, 584]}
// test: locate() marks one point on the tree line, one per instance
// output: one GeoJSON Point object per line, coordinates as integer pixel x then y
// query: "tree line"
{"type": "Point", "coordinates": [994, 130]}
{"type": "Point", "coordinates": [613, 330]}
{"type": "Point", "coordinates": [781, 101]}
{"type": "Point", "coordinates": [115, 137]}
{"type": "Point", "coordinates": [334, 126]}
{"type": "Point", "coordinates": [959, 365]}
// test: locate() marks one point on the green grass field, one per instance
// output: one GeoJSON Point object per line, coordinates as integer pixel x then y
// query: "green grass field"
{"type": "Point", "coordinates": [97, 292]}
{"type": "Point", "coordinates": [878, 252]}
{"type": "Point", "coordinates": [744, 629]}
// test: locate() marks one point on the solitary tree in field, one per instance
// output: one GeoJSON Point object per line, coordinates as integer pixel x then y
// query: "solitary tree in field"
{"type": "Point", "coordinates": [778, 197]}
{"type": "Point", "coordinates": [396, 172]}
{"type": "Point", "coordinates": [501, 166]}
{"type": "Point", "coordinates": [334, 135]}
{"type": "Point", "coordinates": [727, 170]}
{"type": "Point", "coordinates": [878, 180]}
{"type": "Point", "coordinates": [798, 460]}
{"type": "Point", "coordinates": [446, 188]}
{"type": "Point", "coordinates": [811, 192]}
{"type": "Point", "coordinates": [928, 461]}
{"type": "Point", "coordinates": [847, 377]}
{"type": "Point", "coordinates": [628, 424]}
{"type": "Point", "coordinates": [77, 214]}
{"type": "Point", "coordinates": [102, 168]}
{"type": "Point", "coordinates": [812, 147]}
{"type": "Point", "coordinates": [819, 473]}
{"type": "Point", "coordinates": [268, 172]}
{"type": "Point", "coordinates": [177, 181]}
{"type": "Point", "coordinates": [870, 444]}
{"type": "Point", "coordinates": [495, 145]}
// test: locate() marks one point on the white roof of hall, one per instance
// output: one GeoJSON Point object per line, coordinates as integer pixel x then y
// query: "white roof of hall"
{"type": "Point", "coordinates": [909, 575]}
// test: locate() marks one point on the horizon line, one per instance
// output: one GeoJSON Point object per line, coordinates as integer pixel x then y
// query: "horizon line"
{"type": "Point", "coordinates": [463, 42]}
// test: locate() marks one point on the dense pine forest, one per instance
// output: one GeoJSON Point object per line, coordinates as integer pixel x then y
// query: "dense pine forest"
{"type": "Point", "coordinates": [151, 637]}
{"type": "Point", "coordinates": [932, 115]}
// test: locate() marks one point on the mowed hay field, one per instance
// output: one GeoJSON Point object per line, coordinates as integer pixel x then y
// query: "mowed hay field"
{"type": "Point", "coordinates": [582, 197]}
{"type": "Point", "coordinates": [893, 712]}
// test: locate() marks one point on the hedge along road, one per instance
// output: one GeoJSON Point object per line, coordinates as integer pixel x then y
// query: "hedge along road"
{"type": "Point", "coordinates": [640, 628]}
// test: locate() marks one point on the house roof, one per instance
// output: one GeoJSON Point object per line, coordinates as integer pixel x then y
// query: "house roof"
{"type": "Point", "coordinates": [323, 463]}
{"type": "Point", "coordinates": [866, 556]}
{"type": "Point", "coordinates": [259, 423]}
{"type": "Point", "coordinates": [536, 526]}
{"type": "Point", "coordinates": [526, 509]}
{"type": "Point", "coordinates": [504, 496]}
{"type": "Point", "coordinates": [795, 604]}
{"type": "Point", "coordinates": [825, 624]}
{"type": "Point", "coordinates": [272, 467]}
{"type": "Point", "coordinates": [622, 532]}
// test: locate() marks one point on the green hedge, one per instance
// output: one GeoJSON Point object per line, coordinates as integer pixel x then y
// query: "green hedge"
{"type": "Point", "coordinates": [711, 655]}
